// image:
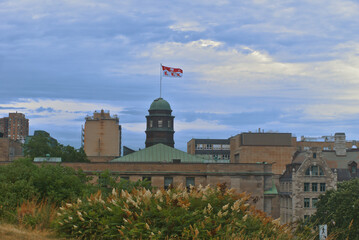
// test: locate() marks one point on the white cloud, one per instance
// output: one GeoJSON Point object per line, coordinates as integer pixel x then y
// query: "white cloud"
{"type": "Point", "coordinates": [61, 112]}
{"type": "Point", "coordinates": [134, 127]}
{"type": "Point", "coordinates": [187, 26]}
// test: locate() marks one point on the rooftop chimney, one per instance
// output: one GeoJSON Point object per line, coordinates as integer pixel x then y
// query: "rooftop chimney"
{"type": "Point", "coordinates": [340, 144]}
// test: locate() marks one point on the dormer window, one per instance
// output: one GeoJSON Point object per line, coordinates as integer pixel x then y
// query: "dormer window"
{"type": "Point", "coordinates": [352, 167]}
{"type": "Point", "coordinates": [314, 171]}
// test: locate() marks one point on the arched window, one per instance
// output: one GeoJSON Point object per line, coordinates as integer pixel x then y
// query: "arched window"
{"type": "Point", "coordinates": [314, 171]}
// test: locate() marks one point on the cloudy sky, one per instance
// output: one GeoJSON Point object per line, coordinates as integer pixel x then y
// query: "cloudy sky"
{"type": "Point", "coordinates": [287, 66]}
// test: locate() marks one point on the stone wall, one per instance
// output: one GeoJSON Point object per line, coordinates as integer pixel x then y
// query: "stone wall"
{"type": "Point", "coordinates": [10, 150]}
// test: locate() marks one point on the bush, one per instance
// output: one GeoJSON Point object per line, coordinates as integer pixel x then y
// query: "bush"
{"type": "Point", "coordinates": [167, 214]}
{"type": "Point", "coordinates": [22, 181]}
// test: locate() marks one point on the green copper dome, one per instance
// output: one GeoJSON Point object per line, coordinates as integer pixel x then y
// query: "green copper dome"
{"type": "Point", "coordinates": [160, 104]}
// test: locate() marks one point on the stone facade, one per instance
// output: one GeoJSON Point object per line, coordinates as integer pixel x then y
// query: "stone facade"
{"type": "Point", "coordinates": [255, 179]}
{"type": "Point", "coordinates": [311, 174]}
{"type": "Point", "coordinates": [302, 184]}
{"type": "Point", "coordinates": [10, 150]}
{"type": "Point", "coordinates": [280, 148]}
{"type": "Point", "coordinates": [274, 148]}
{"type": "Point", "coordinates": [102, 136]}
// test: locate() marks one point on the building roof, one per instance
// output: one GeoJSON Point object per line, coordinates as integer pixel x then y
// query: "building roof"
{"type": "Point", "coordinates": [160, 104]}
{"type": "Point", "coordinates": [333, 160]}
{"type": "Point", "coordinates": [340, 164]}
{"type": "Point", "coordinates": [47, 159]}
{"type": "Point", "coordinates": [272, 191]}
{"type": "Point", "coordinates": [210, 141]}
{"type": "Point", "coordinates": [161, 153]}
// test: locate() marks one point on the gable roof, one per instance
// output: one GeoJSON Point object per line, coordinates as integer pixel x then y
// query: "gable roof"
{"type": "Point", "coordinates": [161, 153]}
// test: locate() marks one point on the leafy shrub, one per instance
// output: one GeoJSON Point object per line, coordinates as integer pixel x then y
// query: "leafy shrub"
{"type": "Point", "coordinates": [201, 213]}
{"type": "Point", "coordinates": [22, 181]}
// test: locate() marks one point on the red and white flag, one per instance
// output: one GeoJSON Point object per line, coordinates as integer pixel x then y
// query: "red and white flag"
{"type": "Point", "coordinates": [171, 72]}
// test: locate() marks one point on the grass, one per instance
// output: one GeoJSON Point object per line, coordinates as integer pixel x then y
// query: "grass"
{"type": "Point", "coordinates": [11, 232]}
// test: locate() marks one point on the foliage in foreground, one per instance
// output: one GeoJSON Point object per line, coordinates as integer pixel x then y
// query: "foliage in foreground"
{"type": "Point", "coordinates": [339, 210]}
{"type": "Point", "coordinates": [23, 181]}
{"type": "Point", "coordinates": [202, 213]}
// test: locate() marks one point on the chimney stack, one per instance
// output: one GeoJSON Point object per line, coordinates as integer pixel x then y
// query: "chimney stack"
{"type": "Point", "coordinates": [340, 144]}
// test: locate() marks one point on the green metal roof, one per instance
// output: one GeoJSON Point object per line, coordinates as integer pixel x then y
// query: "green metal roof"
{"type": "Point", "coordinates": [272, 191]}
{"type": "Point", "coordinates": [160, 104]}
{"type": "Point", "coordinates": [160, 153]}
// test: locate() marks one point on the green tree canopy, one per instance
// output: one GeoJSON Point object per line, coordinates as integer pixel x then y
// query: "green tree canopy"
{"type": "Point", "coordinates": [339, 210]}
{"type": "Point", "coordinates": [42, 144]}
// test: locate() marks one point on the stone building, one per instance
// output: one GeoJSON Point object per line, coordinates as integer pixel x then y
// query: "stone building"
{"type": "Point", "coordinates": [311, 174]}
{"type": "Point", "coordinates": [15, 126]}
{"type": "Point", "coordinates": [279, 148]}
{"type": "Point", "coordinates": [274, 148]}
{"type": "Point", "coordinates": [216, 149]}
{"type": "Point", "coordinates": [163, 166]}
{"type": "Point", "coordinates": [10, 150]}
{"type": "Point", "coordinates": [160, 124]}
{"type": "Point", "coordinates": [102, 137]}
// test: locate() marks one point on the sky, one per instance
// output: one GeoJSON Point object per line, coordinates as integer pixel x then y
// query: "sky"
{"type": "Point", "coordinates": [282, 66]}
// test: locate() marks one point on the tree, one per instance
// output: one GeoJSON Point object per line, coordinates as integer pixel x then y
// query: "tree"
{"type": "Point", "coordinates": [339, 210]}
{"type": "Point", "coordinates": [42, 144]}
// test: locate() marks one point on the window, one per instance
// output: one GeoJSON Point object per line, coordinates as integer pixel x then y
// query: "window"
{"type": "Point", "coordinates": [199, 146]}
{"type": "Point", "coordinates": [314, 155]}
{"type": "Point", "coordinates": [169, 124]}
{"type": "Point", "coordinates": [306, 202]}
{"type": "Point", "coordinates": [208, 147]}
{"type": "Point", "coordinates": [125, 178]}
{"type": "Point", "coordinates": [314, 187]}
{"type": "Point", "coordinates": [216, 146]}
{"type": "Point", "coordinates": [306, 218]}
{"type": "Point", "coordinates": [306, 187]}
{"type": "Point", "coordinates": [225, 147]}
{"type": "Point", "coordinates": [168, 182]}
{"type": "Point", "coordinates": [151, 124]}
{"type": "Point", "coordinates": [160, 123]}
{"type": "Point", "coordinates": [314, 202]}
{"type": "Point", "coordinates": [189, 182]}
{"type": "Point", "coordinates": [322, 187]}
{"type": "Point", "coordinates": [176, 160]}
{"type": "Point", "coordinates": [314, 171]}
{"type": "Point", "coordinates": [354, 169]}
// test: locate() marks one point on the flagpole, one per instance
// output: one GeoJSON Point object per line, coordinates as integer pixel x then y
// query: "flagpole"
{"type": "Point", "coordinates": [160, 80]}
